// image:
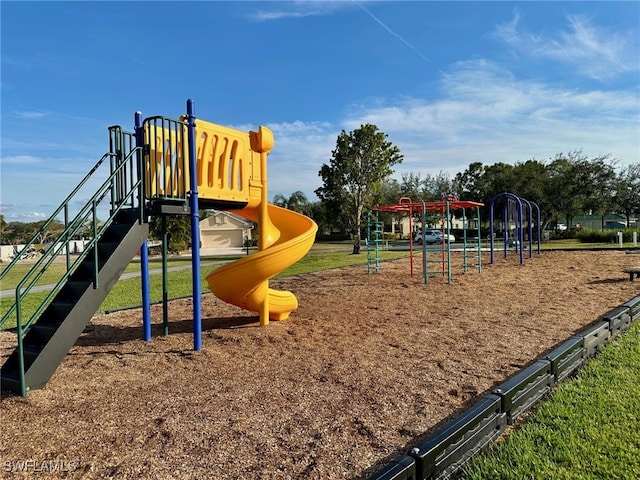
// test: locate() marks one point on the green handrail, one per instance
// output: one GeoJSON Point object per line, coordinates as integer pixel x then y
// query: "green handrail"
{"type": "Point", "coordinates": [124, 187]}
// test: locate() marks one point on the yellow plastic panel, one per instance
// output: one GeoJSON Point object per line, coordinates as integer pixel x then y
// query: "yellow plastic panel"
{"type": "Point", "coordinates": [166, 174]}
{"type": "Point", "coordinates": [223, 162]}
{"type": "Point", "coordinates": [227, 167]}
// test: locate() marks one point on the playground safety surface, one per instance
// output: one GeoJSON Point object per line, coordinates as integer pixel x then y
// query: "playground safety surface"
{"type": "Point", "coordinates": [367, 366]}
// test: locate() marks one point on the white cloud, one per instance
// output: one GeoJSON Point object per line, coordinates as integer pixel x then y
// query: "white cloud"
{"type": "Point", "coordinates": [300, 150]}
{"type": "Point", "coordinates": [593, 51]}
{"type": "Point", "coordinates": [30, 114]}
{"type": "Point", "coordinates": [300, 9]}
{"type": "Point", "coordinates": [484, 114]}
{"type": "Point", "coordinates": [488, 116]}
{"type": "Point", "coordinates": [27, 217]}
{"type": "Point", "coordinates": [21, 160]}
{"type": "Point", "coordinates": [35, 216]}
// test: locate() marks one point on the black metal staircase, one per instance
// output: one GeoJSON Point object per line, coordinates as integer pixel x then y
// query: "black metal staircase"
{"type": "Point", "coordinates": [146, 176]}
{"type": "Point", "coordinates": [47, 330]}
{"type": "Point", "coordinates": [56, 330]}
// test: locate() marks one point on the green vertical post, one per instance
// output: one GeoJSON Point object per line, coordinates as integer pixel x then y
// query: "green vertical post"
{"type": "Point", "coordinates": [23, 380]}
{"type": "Point", "coordinates": [94, 230]}
{"type": "Point", "coordinates": [165, 278]}
{"type": "Point", "coordinates": [369, 239]}
{"type": "Point", "coordinates": [464, 240]}
{"type": "Point", "coordinates": [66, 226]}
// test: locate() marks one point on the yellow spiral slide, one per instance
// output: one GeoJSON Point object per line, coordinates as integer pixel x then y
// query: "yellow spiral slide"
{"type": "Point", "coordinates": [245, 282]}
{"type": "Point", "coordinates": [231, 172]}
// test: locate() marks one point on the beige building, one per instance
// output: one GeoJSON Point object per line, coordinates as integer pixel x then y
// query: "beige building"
{"type": "Point", "coordinates": [224, 230]}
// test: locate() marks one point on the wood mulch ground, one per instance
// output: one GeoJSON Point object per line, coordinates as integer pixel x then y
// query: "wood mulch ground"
{"type": "Point", "coordinates": [367, 366]}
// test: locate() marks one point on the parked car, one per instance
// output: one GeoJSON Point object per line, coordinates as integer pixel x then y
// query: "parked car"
{"type": "Point", "coordinates": [433, 236]}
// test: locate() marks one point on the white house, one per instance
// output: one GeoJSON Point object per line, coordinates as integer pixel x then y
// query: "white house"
{"type": "Point", "coordinates": [224, 230]}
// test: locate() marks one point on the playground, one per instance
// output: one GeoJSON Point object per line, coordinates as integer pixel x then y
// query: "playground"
{"type": "Point", "coordinates": [367, 365]}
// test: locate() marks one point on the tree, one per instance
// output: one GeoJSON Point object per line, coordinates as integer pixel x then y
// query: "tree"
{"type": "Point", "coordinates": [598, 179]}
{"type": "Point", "coordinates": [410, 186]}
{"type": "Point", "coordinates": [178, 230]}
{"type": "Point", "coordinates": [627, 191]}
{"type": "Point", "coordinates": [360, 162]}
{"type": "Point", "coordinates": [319, 215]}
{"type": "Point", "coordinates": [19, 232]}
{"type": "Point", "coordinates": [389, 192]}
{"type": "Point", "coordinates": [468, 185]}
{"type": "Point", "coordinates": [3, 230]}
{"type": "Point", "coordinates": [296, 202]}
{"type": "Point", "coordinates": [531, 178]}
{"type": "Point", "coordinates": [562, 190]}
{"type": "Point", "coordinates": [434, 187]}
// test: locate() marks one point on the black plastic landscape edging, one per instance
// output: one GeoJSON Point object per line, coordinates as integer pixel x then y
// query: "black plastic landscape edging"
{"type": "Point", "coordinates": [447, 450]}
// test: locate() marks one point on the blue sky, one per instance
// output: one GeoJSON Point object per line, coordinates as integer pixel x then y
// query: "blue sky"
{"type": "Point", "coordinates": [450, 83]}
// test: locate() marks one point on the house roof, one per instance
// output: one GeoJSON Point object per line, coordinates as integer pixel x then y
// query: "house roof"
{"type": "Point", "coordinates": [236, 218]}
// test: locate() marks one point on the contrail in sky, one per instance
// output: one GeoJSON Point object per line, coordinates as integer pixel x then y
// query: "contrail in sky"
{"type": "Point", "coordinates": [382, 24]}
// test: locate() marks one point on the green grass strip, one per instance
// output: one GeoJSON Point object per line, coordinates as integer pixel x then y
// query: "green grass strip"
{"type": "Point", "coordinates": [588, 429]}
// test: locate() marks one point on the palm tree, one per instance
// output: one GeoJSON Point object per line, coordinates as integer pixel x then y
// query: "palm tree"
{"type": "Point", "coordinates": [297, 202]}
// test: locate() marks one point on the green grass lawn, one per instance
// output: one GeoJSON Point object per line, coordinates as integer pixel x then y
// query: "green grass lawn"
{"type": "Point", "coordinates": [127, 292]}
{"type": "Point", "coordinates": [587, 429]}
{"type": "Point", "coordinates": [565, 244]}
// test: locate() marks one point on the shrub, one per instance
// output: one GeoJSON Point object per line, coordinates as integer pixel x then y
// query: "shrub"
{"type": "Point", "coordinates": [592, 235]}
{"type": "Point", "coordinates": [177, 246]}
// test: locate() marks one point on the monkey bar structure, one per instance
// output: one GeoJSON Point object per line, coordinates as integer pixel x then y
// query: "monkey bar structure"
{"type": "Point", "coordinates": [516, 218]}
{"type": "Point", "coordinates": [471, 257]}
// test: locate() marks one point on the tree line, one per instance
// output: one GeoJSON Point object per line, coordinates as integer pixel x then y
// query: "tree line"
{"type": "Point", "coordinates": [358, 177]}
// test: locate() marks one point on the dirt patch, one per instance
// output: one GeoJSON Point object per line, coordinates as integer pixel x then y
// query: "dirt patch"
{"type": "Point", "coordinates": [367, 366]}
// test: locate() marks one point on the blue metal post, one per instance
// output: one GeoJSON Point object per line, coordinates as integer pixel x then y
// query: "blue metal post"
{"type": "Point", "coordinates": [195, 226]}
{"type": "Point", "coordinates": [537, 223]}
{"type": "Point", "coordinates": [144, 248]}
{"type": "Point", "coordinates": [519, 226]}
{"type": "Point", "coordinates": [505, 224]}
{"type": "Point", "coordinates": [491, 232]}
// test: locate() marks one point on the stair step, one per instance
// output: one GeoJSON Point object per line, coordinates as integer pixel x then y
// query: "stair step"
{"type": "Point", "coordinates": [116, 232]}
{"type": "Point", "coordinates": [56, 312]}
{"type": "Point", "coordinates": [73, 290]}
{"type": "Point", "coordinates": [106, 249]}
{"type": "Point", "coordinates": [40, 333]}
{"type": "Point", "coordinates": [85, 269]}
{"type": "Point", "coordinates": [31, 351]}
